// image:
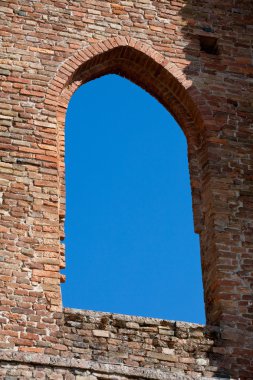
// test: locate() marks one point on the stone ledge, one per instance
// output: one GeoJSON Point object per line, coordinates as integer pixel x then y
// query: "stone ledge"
{"type": "Point", "coordinates": [103, 368]}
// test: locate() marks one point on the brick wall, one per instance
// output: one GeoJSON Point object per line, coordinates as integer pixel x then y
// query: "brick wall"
{"type": "Point", "coordinates": [99, 344]}
{"type": "Point", "coordinates": [195, 57]}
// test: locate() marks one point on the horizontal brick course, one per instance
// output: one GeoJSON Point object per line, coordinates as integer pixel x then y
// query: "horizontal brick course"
{"type": "Point", "coordinates": [48, 49]}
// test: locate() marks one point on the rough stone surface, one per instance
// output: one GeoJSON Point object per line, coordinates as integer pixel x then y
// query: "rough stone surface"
{"type": "Point", "coordinates": [195, 57]}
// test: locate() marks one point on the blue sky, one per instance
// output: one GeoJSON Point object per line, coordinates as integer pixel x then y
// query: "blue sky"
{"type": "Point", "coordinates": [130, 243]}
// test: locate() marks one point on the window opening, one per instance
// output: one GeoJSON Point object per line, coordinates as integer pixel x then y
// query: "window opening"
{"type": "Point", "coordinates": [130, 243]}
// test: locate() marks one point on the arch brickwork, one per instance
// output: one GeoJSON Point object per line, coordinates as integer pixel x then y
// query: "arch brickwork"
{"type": "Point", "coordinates": [51, 48]}
{"type": "Point", "coordinates": [145, 67]}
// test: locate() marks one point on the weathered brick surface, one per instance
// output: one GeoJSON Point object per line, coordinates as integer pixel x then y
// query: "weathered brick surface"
{"type": "Point", "coordinates": [49, 48]}
{"type": "Point", "coordinates": [126, 346]}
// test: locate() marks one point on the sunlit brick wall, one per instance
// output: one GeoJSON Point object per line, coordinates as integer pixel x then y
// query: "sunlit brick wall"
{"type": "Point", "coordinates": [195, 57]}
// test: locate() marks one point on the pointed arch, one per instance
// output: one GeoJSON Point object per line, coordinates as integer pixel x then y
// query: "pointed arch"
{"type": "Point", "coordinates": [144, 66]}
{"type": "Point", "coordinates": [149, 69]}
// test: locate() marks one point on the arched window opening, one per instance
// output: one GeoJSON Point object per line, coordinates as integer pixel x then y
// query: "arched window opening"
{"type": "Point", "coordinates": [130, 242]}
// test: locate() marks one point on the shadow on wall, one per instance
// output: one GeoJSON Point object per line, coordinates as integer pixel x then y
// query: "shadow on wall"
{"type": "Point", "coordinates": [217, 48]}
{"type": "Point", "coordinates": [202, 51]}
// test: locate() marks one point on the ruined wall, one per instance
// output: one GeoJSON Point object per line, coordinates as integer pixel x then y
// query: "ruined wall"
{"type": "Point", "coordinates": [195, 57]}
{"type": "Point", "coordinates": [112, 346]}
